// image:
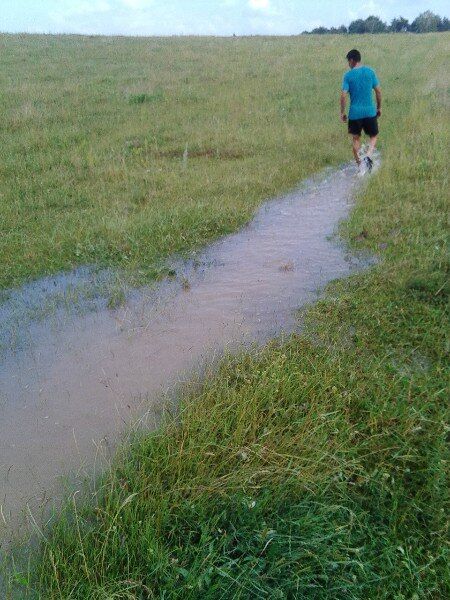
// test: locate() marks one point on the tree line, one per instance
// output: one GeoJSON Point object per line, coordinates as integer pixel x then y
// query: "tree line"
{"type": "Point", "coordinates": [424, 23]}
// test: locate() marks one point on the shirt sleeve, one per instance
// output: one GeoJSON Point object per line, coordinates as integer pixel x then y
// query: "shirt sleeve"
{"type": "Point", "coordinates": [375, 81]}
{"type": "Point", "coordinates": [345, 86]}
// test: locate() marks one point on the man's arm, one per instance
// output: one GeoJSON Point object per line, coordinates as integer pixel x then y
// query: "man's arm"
{"type": "Point", "coordinates": [378, 97]}
{"type": "Point", "coordinates": [343, 105]}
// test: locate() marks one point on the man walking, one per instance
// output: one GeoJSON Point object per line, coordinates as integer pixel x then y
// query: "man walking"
{"type": "Point", "coordinates": [363, 115]}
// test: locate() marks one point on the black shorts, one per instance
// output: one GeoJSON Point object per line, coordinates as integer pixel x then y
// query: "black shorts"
{"type": "Point", "coordinates": [369, 124]}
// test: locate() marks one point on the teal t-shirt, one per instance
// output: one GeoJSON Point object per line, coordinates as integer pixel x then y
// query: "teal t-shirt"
{"type": "Point", "coordinates": [360, 82]}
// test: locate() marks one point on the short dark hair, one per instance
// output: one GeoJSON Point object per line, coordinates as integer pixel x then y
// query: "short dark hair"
{"type": "Point", "coordinates": [354, 55]}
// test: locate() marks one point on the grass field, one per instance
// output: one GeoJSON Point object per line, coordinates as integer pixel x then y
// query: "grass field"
{"type": "Point", "coordinates": [315, 468]}
{"type": "Point", "coordinates": [94, 131]}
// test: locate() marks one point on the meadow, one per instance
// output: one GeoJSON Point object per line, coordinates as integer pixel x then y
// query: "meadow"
{"type": "Point", "coordinates": [94, 131]}
{"type": "Point", "coordinates": [314, 468]}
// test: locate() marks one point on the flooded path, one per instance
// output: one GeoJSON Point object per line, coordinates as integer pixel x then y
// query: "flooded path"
{"type": "Point", "coordinates": [79, 379]}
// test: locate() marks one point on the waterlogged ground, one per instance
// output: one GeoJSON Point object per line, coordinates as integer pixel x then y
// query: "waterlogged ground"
{"type": "Point", "coordinates": [70, 380]}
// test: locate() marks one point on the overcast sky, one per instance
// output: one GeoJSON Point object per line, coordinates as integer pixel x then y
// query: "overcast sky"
{"type": "Point", "coordinates": [202, 17]}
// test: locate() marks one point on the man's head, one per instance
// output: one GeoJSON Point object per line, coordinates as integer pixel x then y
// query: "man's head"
{"type": "Point", "coordinates": [354, 58]}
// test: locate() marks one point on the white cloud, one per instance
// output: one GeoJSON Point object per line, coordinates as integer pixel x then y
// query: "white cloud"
{"type": "Point", "coordinates": [137, 4]}
{"type": "Point", "coordinates": [79, 17]}
{"type": "Point", "coordinates": [366, 9]}
{"type": "Point", "coordinates": [259, 4]}
{"type": "Point", "coordinates": [85, 7]}
{"type": "Point", "coordinates": [203, 17]}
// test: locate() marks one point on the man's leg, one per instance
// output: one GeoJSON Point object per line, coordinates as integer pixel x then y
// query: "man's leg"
{"type": "Point", "coordinates": [372, 145]}
{"type": "Point", "coordinates": [356, 148]}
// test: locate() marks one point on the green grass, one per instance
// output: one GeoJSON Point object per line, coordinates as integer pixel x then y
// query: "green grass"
{"type": "Point", "coordinates": [315, 468]}
{"type": "Point", "coordinates": [94, 131]}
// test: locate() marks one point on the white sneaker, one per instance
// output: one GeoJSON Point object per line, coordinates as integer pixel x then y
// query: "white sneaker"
{"type": "Point", "coordinates": [362, 169]}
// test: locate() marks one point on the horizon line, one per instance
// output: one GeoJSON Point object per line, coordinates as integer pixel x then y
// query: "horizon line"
{"type": "Point", "coordinates": [206, 35]}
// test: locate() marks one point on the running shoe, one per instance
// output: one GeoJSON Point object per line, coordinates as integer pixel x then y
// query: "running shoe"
{"type": "Point", "coordinates": [369, 163]}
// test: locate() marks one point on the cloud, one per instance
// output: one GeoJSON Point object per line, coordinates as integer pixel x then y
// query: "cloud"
{"type": "Point", "coordinates": [82, 8]}
{"type": "Point", "coordinates": [259, 4]}
{"type": "Point", "coordinates": [136, 4]}
{"type": "Point", "coordinates": [202, 17]}
{"type": "Point", "coordinates": [80, 16]}
{"type": "Point", "coordinates": [367, 8]}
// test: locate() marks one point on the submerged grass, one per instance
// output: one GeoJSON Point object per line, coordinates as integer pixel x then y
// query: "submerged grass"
{"type": "Point", "coordinates": [312, 469]}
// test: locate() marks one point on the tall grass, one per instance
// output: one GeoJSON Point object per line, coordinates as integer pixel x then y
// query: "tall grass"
{"type": "Point", "coordinates": [315, 468]}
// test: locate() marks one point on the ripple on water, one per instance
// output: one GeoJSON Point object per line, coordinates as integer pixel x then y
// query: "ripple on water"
{"type": "Point", "coordinates": [78, 377]}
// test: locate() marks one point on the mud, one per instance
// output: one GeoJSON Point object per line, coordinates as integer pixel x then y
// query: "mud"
{"type": "Point", "coordinates": [73, 380]}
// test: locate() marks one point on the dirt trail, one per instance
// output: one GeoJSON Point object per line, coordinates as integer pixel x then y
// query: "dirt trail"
{"type": "Point", "coordinates": [78, 380]}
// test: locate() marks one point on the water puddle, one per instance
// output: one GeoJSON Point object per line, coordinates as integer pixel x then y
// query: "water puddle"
{"type": "Point", "coordinates": [76, 379]}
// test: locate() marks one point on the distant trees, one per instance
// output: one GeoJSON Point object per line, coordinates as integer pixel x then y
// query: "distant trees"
{"type": "Point", "coordinates": [375, 25]}
{"type": "Point", "coordinates": [445, 25]}
{"type": "Point", "coordinates": [424, 23]}
{"type": "Point", "coordinates": [321, 30]}
{"type": "Point", "coordinates": [372, 24]}
{"type": "Point", "coordinates": [399, 25]}
{"type": "Point", "coordinates": [358, 26]}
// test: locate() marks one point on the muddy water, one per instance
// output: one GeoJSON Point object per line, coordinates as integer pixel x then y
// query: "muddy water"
{"type": "Point", "coordinates": [79, 379]}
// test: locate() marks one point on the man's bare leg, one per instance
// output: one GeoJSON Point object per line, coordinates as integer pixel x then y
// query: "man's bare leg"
{"type": "Point", "coordinates": [372, 146]}
{"type": "Point", "coordinates": [356, 148]}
